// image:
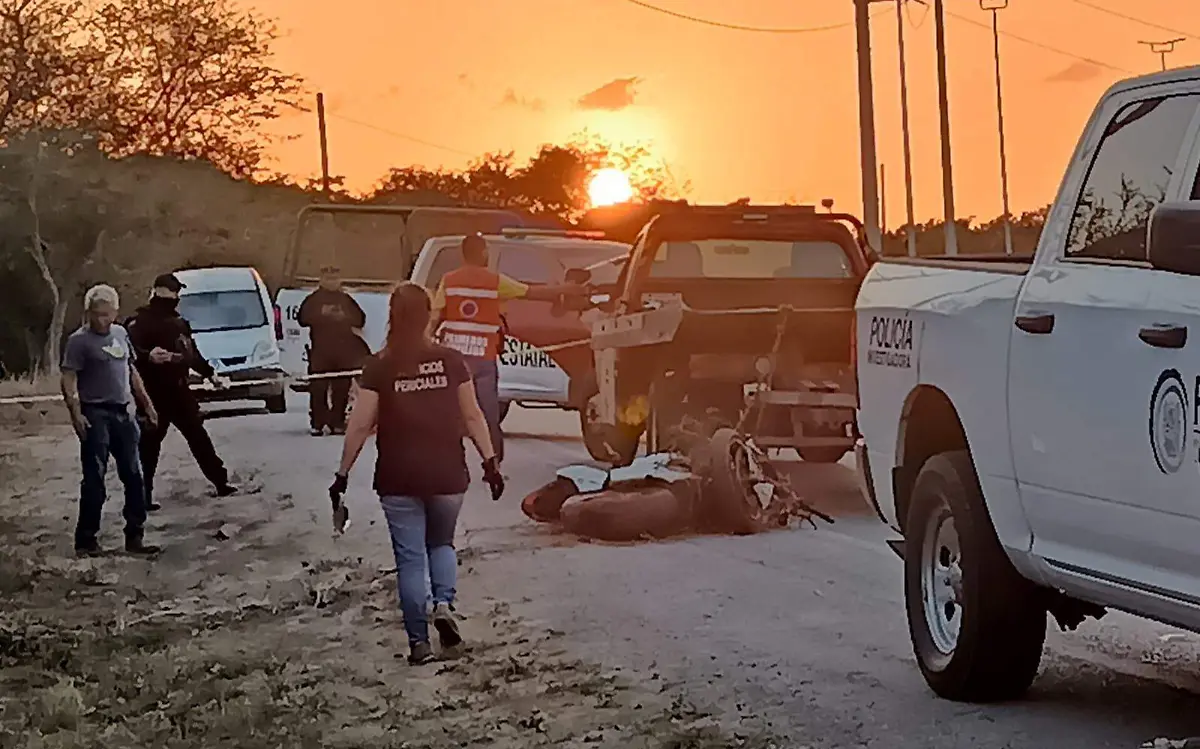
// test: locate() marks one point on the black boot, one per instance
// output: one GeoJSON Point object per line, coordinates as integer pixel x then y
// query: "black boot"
{"type": "Point", "coordinates": [135, 544]}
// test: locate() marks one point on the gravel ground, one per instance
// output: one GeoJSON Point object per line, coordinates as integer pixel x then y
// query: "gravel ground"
{"type": "Point", "coordinates": [791, 639]}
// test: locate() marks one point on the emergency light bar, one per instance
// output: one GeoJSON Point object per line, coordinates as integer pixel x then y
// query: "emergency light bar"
{"type": "Point", "coordinates": [519, 232]}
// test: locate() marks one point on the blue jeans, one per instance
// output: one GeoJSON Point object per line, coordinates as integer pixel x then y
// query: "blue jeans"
{"type": "Point", "coordinates": [422, 533]}
{"type": "Point", "coordinates": [486, 375]}
{"type": "Point", "coordinates": [112, 431]}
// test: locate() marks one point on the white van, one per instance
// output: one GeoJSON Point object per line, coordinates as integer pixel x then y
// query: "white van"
{"type": "Point", "coordinates": [232, 322]}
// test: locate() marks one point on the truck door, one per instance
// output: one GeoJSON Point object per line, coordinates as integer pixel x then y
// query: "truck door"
{"type": "Point", "coordinates": [1083, 383]}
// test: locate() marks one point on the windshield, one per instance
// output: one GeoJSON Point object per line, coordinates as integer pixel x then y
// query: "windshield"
{"type": "Point", "coordinates": [222, 310]}
{"type": "Point", "coordinates": [603, 262]}
{"type": "Point", "coordinates": [751, 258]}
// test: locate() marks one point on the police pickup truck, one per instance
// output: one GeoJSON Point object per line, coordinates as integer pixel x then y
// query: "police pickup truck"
{"type": "Point", "coordinates": [1032, 428]}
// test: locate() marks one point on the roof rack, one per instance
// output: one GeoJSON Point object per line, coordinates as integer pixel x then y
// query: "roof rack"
{"type": "Point", "coordinates": [519, 232]}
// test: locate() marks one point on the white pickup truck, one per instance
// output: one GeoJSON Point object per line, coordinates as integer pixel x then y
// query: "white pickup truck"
{"type": "Point", "coordinates": [1032, 428]}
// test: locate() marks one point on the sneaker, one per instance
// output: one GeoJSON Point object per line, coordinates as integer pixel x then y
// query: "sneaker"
{"type": "Point", "coordinates": [446, 625]}
{"type": "Point", "coordinates": [92, 549]}
{"type": "Point", "coordinates": [141, 548]}
{"type": "Point", "coordinates": [153, 506]}
{"type": "Point", "coordinates": [421, 654]}
{"type": "Point", "coordinates": [337, 431]}
{"type": "Point", "coordinates": [227, 489]}
{"type": "Point", "coordinates": [318, 431]}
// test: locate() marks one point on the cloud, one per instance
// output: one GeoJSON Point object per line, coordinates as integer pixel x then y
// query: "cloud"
{"type": "Point", "coordinates": [1076, 72]}
{"type": "Point", "coordinates": [612, 96]}
{"type": "Point", "coordinates": [510, 99]}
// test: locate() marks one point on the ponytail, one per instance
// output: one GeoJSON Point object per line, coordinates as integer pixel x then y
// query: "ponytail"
{"type": "Point", "coordinates": [409, 310]}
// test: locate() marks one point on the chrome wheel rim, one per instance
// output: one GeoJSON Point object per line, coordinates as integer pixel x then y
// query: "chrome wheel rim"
{"type": "Point", "coordinates": [942, 580]}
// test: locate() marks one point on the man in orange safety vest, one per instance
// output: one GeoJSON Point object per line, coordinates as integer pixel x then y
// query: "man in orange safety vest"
{"type": "Point", "coordinates": [467, 307]}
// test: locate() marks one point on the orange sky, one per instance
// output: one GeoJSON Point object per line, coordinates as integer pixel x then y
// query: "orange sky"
{"type": "Point", "coordinates": [771, 116]}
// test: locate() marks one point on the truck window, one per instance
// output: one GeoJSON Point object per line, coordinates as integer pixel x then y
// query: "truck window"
{"type": "Point", "coordinates": [1128, 178]}
{"type": "Point", "coordinates": [447, 259]}
{"type": "Point", "coordinates": [750, 258]}
{"type": "Point", "coordinates": [525, 265]}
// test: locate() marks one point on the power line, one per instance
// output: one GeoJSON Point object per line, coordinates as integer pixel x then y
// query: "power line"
{"type": "Point", "coordinates": [1041, 45]}
{"type": "Point", "coordinates": [401, 136]}
{"type": "Point", "coordinates": [739, 27]}
{"type": "Point", "coordinates": [1142, 21]}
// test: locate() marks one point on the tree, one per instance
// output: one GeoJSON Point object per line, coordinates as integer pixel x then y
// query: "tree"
{"type": "Point", "coordinates": [63, 203]}
{"type": "Point", "coordinates": [188, 78]}
{"type": "Point", "coordinates": [553, 183]}
{"type": "Point", "coordinates": [45, 73]}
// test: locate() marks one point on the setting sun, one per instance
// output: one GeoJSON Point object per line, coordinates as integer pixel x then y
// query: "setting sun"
{"type": "Point", "coordinates": [609, 187]}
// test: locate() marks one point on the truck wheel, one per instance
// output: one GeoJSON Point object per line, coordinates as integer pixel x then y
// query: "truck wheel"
{"type": "Point", "coordinates": [277, 404]}
{"type": "Point", "coordinates": [594, 435]}
{"type": "Point", "coordinates": [822, 454]}
{"type": "Point", "coordinates": [977, 626]}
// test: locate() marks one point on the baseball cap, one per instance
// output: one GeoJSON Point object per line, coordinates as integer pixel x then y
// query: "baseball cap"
{"type": "Point", "coordinates": [169, 282]}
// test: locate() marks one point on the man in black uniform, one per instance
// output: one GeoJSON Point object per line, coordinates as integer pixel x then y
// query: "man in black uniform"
{"type": "Point", "coordinates": [165, 354]}
{"type": "Point", "coordinates": [335, 323]}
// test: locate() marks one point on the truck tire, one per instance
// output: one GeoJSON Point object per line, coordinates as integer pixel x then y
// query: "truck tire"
{"type": "Point", "coordinates": [977, 626]}
{"type": "Point", "coordinates": [822, 454]}
{"type": "Point", "coordinates": [276, 404]}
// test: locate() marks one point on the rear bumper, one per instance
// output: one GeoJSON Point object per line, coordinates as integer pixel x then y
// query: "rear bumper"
{"type": "Point", "coordinates": [255, 383]}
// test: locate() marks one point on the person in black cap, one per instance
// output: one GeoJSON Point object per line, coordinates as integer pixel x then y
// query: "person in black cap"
{"type": "Point", "coordinates": [165, 354]}
{"type": "Point", "coordinates": [335, 323]}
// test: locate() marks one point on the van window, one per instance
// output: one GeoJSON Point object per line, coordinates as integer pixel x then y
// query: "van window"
{"type": "Point", "coordinates": [211, 311]}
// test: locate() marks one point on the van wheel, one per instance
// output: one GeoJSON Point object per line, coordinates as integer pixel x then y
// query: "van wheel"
{"type": "Point", "coordinates": [277, 404]}
{"type": "Point", "coordinates": [977, 626]}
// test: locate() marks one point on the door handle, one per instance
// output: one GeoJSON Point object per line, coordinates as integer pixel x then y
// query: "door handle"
{"type": "Point", "coordinates": [1036, 324]}
{"type": "Point", "coordinates": [1164, 336]}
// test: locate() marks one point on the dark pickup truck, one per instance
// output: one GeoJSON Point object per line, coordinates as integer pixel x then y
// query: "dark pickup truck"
{"type": "Point", "coordinates": [738, 315]}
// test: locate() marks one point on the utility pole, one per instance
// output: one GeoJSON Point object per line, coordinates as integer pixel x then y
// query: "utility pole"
{"type": "Point", "coordinates": [939, 19]}
{"type": "Point", "coordinates": [910, 231]}
{"type": "Point", "coordinates": [995, 6]}
{"type": "Point", "coordinates": [866, 126]}
{"type": "Point", "coordinates": [1162, 49]}
{"type": "Point", "coordinates": [882, 201]}
{"type": "Point", "coordinates": [324, 145]}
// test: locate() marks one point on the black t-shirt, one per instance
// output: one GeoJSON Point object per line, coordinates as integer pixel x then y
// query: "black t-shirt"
{"type": "Point", "coordinates": [420, 425]}
{"type": "Point", "coordinates": [331, 317]}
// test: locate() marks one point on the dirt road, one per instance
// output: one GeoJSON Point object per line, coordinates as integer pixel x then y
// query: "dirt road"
{"type": "Point", "coordinates": [793, 639]}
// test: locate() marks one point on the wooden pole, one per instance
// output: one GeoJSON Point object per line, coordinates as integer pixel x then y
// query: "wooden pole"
{"type": "Point", "coordinates": [324, 145]}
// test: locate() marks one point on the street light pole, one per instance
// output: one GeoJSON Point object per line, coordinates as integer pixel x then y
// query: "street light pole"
{"type": "Point", "coordinates": [939, 20]}
{"type": "Point", "coordinates": [911, 228]}
{"type": "Point", "coordinates": [995, 6]}
{"type": "Point", "coordinates": [1162, 49]}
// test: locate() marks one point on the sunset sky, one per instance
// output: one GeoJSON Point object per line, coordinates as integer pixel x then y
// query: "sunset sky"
{"type": "Point", "coordinates": [765, 115]}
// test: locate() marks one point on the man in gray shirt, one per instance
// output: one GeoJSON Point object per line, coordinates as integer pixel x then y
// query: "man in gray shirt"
{"type": "Point", "coordinates": [99, 384]}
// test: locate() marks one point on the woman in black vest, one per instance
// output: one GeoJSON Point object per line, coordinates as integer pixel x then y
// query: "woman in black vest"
{"type": "Point", "coordinates": [418, 398]}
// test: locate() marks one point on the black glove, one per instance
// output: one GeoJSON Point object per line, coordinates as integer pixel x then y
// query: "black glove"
{"type": "Point", "coordinates": [491, 474]}
{"type": "Point", "coordinates": [341, 515]}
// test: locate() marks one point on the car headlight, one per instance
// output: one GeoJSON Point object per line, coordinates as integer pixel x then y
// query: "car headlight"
{"type": "Point", "coordinates": [265, 351]}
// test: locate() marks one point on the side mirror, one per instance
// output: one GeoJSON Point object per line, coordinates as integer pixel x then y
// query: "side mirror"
{"type": "Point", "coordinates": [578, 276]}
{"type": "Point", "coordinates": [1173, 238]}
